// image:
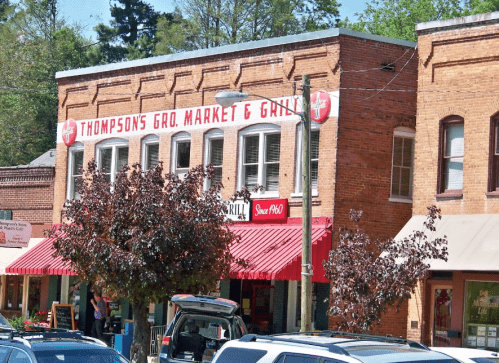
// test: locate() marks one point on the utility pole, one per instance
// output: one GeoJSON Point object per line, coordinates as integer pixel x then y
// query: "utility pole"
{"type": "Point", "coordinates": [306, 259]}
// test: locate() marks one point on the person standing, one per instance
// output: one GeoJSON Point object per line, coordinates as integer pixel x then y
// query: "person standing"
{"type": "Point", "coordinates": [100, 314]}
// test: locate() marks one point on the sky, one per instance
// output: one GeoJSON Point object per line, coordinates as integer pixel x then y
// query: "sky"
{"type": "Point", "coordinates": [88, 13]}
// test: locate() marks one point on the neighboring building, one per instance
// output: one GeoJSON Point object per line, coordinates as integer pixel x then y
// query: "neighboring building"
{"type": "Point", "coordinates": [163, 108]}
{"type": "Point", "coordinates": [457, 169]}
{"type": "Point", "coordinates": [26, 194]}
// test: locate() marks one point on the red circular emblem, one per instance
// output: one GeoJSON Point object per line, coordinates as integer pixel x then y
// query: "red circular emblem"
{"type": "Point", "coordinates": [320, 105]}
{"type": "Point", "coordinates": [69, 132]}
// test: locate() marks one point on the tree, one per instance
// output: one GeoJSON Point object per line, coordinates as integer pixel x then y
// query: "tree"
{"type": "Point", "coordinates": [175, 34]}
{"type": "Point", "coordinates": [398, 18]}
{"type": "Point", "coordinates": [34, 44]}
{"type": "Point", "coordinates": [369, 275]}
{"type": "Point", "coordinates": [483, 6]}
{"type": "Point", "coordinates": [131, 34]}
{"type": "Point", "coordinates": [147, 236]}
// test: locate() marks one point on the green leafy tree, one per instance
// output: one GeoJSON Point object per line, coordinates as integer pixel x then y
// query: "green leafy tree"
{"type": "Point", "coordinates": [131, 33]}
{"type": "Point", "coordinates": [34, 44]}
{"type": "Point", "coordinates": [175, 34]}
{"type": "Point", "coordinates": [483, 6]}
{"type": "Point", "coordinates": [147, 236]}
{"type": "Point", "coordinates": [398, 18]}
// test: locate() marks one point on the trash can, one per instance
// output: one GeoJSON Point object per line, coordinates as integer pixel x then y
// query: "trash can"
{"type": "Point", "coordinates": [123, 342]}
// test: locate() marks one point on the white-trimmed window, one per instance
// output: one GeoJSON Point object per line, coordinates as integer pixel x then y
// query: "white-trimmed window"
{"type": "Point", "coordinates": [314, 160]}
{"type": "Point", "coordinates": [213, 154]}
{"type": "Point", "coordinates": [181, 153]}
{"type": "Point", "coordinates": [402, 165]}
{"type": "Point", "coordinates": [75, 163]}
{"type": "Point", "coordinates": [111, 156]}
{"type": "Point", "coordinates": [150, 152]}
{"type": "Point", "coordinates": [259, 150]}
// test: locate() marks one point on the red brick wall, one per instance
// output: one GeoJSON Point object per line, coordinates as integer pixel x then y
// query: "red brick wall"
{"type": "Point", "coordinates": [29, 193]}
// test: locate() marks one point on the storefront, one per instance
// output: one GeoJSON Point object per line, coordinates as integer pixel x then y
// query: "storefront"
{"type": "Point", "coordinates": [462, 307]}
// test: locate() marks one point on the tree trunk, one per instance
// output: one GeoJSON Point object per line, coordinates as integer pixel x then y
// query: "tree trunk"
{"type": "Point", "coordinates": [138, 351]}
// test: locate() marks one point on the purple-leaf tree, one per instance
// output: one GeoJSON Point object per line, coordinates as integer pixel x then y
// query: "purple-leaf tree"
{"type": "Point", "coordinates": [147, 236]}
{"type": "Point", "coordinates": [369, 275]}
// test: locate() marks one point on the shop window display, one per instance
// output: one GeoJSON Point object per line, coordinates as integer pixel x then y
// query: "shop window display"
{"type": "Point", "coordinates": [481, 316]}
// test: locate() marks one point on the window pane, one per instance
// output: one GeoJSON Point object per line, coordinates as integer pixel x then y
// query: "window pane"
{"type": "Point", "coordinates": [218, 175]}
{"type": "Point", "coordinates": [405, 182]}
{"type": "Point", "coordinates": [18, 356]}
{"type": "Point", "coordinates": [396, 181]}
{"type": "Point", "coordinates": [398, 147]}
{"type": "Point", "coordinates": [273, 147]}
{"type": "Point", "coordinates": [77, 162]}
{"type": "Point", "coordinates": [314, 173]}
{"type": "Point", "coordinates": [216, 152]}
{"type": "Point", "coordinates": [105, 160]}
{"type": "Point", "coordinates": [300, 359]}
{"type": "Point", "coordinates": [454, 174]}
{"type": "Point", "coordinates": [251, 176]}
{"type": "Point", "coordinates": [183, 154]}
{"type": "Point", "coordinates": [272, 177]}
{"type": "Point", "coordinates": [314, 145]}
{"type": "Point", "coordinates": [407, 152]}
{"type": "Point", "coordinates": [122, 157]}
{"type": "Point", "coordinates": [152, 155]}
{"type": "Point", "coordinates": [251, 146]}
{"type": "Point", "coordinates": [454, 137]}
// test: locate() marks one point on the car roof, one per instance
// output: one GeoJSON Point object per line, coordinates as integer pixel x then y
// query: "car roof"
{"type": "Point", "coordinates": [65, 344]}
{"type": "Point", "coordinates": [344, 348]}
{"type": "Point", "coordinates": [465, 352]}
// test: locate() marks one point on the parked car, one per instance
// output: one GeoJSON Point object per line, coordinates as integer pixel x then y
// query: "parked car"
{"type": "Point", "coordinates": [326, 347]}
{"type": "Point", "coordinates": [468, 355]}
{"type": "Point", "coordinates": [55, 346]}
{"type": "Point", "coordinates": [4, 323]}
{"type": "Point", "coordinates": [202, 325]}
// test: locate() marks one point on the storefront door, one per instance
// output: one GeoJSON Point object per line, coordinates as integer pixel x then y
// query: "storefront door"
{"type": "Point", "coordinates": [263, 296]}
{"type": "Point", "coordinates": [441, 314]}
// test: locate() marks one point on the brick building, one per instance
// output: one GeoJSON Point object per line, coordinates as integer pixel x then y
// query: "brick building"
{"type": "Point", "coordinates": [26, 194]}
{"type": "Point", "coordinates": [456, 168]}
{"type": "Point", "coordinates": [163, 108]}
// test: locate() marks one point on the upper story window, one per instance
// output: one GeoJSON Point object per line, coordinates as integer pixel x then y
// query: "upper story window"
{"type": "Point", "coordinates": [214, 150]}
{"type": "Point", "coordinates": [259, 154]}
{"type": "Point", "coordinates": [314, 159]}
{"type": "Point", "coordinates": [181, 153]}
{"type": "Point", "coordinates": [111, 156]}
{"type": "Point", "coordinates": [402, 165]}
{"type": "Point", "coordinates": [452, 155]}
{"type": "Point", "coordinates": [494, 157]}
{"type": "Point", "coordinates": [75, 164]}
{"type": "Point", "coordinates": [150, 152]}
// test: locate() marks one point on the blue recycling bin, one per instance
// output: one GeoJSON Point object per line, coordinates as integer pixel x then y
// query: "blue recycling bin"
{"type": "Point", "coordinates": [123, 342]}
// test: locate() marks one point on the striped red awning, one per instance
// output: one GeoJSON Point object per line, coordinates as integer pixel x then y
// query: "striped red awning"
{"type": "Point", "coordinates": [273, 252]}
{"type": "Point", "coordinates": [39, 261]}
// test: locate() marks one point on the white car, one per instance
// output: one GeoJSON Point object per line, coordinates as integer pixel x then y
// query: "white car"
{"type": "Point", "coordinates": [468, 355]}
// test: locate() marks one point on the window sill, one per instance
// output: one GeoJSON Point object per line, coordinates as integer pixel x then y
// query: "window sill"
{"type": "Point", "coordinates": [267, 195]}
{"type": "Point", "coordinates": [492, 194]}
{"type": "Point", "coordinates": [450, 194]}
{"type": "Point", "coordinates": [315, 193]}
{"type": "Point", "coordinates": [400, 200]}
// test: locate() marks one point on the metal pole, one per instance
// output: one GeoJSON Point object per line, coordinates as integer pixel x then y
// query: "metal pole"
{"type": "Point", "coordinates": [306, 274]}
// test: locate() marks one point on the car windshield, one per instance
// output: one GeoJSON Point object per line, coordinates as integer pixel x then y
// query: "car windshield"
{"type": "Point", "coordinates": [79, 356]}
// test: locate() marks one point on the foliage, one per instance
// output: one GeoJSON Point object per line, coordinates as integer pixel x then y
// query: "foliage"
{"type": "Point", "coordinates": [368, 275]}
{"type": "Point", "coordinates": [131, 33]}
{"type": "Point", "coordinates": [483, 6]}
{"type": "Point", "coordinates": [147, 236]}
{"type": "Point", "coordinates": [397, 19]}
{"type": "Point", "coordinates": [37, 319]}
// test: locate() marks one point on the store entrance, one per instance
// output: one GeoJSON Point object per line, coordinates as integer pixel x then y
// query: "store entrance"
{"type": "Point", "coordinates": [441, 315]}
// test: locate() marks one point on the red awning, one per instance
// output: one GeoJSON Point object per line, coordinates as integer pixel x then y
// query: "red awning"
{"type": "Point", "coordinates": [273, 252]}
{"type": "Point", "coordinates": [39, 261]}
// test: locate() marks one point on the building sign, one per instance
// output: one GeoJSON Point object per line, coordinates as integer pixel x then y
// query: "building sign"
{"type": "Point", "coordinates": [186, 119]}
{"type": "Point", "coordinates": [270, 210]}
{"type": "Point", "coordinates": [14, 233]}
{"type": "Point", "coordinates": [481, 317]}
{"type": "Point", "coordinates": [238, 208]}
{"type": "Point", "coordinates": [320, 106]}
{"type": "Point", "coordinates": [69, 131]}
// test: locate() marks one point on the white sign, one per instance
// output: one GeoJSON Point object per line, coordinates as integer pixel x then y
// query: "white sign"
{"type": "Point", "coordinates": [196, 118]}
{"type": "Point", "coordinates": [237, 208]}
{"type": "Point", "coordinates": [14, 233]}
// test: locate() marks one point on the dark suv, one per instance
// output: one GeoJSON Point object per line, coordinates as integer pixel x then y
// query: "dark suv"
{"type": "Point", "coordinates": [200, 328]}
{"type": "Point", "coordinates": [53, 347]}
